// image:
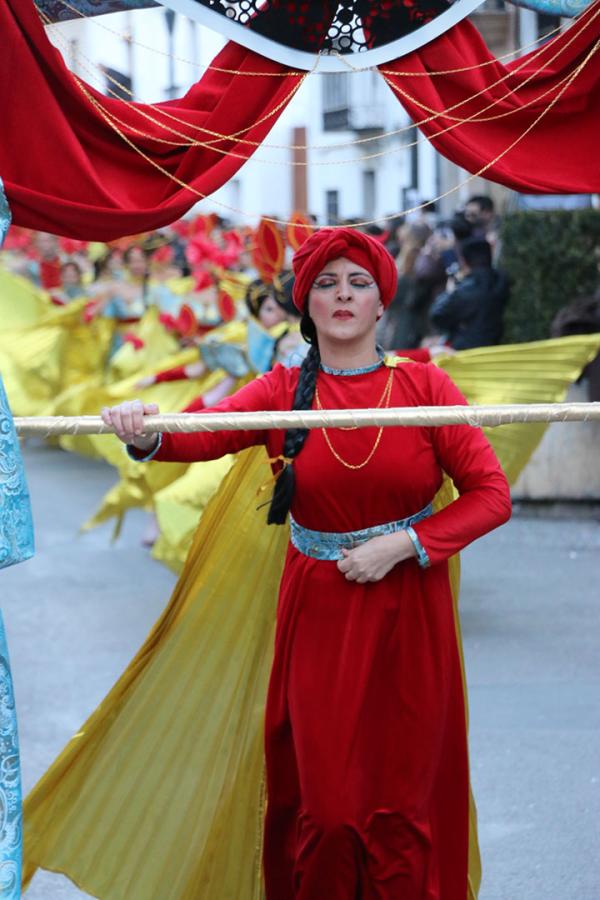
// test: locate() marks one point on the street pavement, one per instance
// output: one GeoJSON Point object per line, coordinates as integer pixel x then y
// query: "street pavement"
{"type": "Point", "coordinates": [530, 602]}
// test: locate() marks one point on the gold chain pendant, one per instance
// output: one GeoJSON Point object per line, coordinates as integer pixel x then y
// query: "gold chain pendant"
{"type": "Point", "coordinates": [383, 403]}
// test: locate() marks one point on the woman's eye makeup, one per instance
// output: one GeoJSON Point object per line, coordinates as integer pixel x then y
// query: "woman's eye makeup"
{"type": "Point", "coordinates": [358, 282]}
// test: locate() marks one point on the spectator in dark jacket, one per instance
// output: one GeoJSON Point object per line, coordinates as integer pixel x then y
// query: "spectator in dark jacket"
{"type": "Point", "coordinates": [470, 311]}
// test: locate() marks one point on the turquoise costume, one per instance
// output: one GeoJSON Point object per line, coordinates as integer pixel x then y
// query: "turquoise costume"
{"type": "Point", "coordinates": [16, 545]}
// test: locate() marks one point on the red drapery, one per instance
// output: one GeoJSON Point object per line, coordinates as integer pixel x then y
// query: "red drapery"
{"type": "Point", "coordinates": [560, 155]}
{"type": "Point", "coordinates": [66, 170]}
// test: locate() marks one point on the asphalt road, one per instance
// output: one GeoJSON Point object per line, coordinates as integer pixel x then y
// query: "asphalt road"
{"type": "Point", "coordinates": [531, 622]}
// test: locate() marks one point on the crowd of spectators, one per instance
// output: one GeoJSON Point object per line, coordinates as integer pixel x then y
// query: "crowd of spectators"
{"type": "Point", "coordinates": [450, 293]}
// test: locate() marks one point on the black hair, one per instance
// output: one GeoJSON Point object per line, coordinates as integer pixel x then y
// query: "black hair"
{"type": "Point", "coordinates": [281, 291]}
{"type": "Point", "coordinates": [256, 294]}
{"type": "Point", "coordinates": [477, 253]}
{"type": "Point", "coordinates": [294, 438]}
{"type": "Point", "coordinates": [146, 275]}
{"type": "Point", "coordinates": [101, 264]}
{"type": "Point", "coordinates": [485, 203]}
{"type": "Point", "coordinates": [286, 294]}
{"type": "Point", "coordinates": [131, 249]}
{"type": "Point", "coordinates": [460, 226]}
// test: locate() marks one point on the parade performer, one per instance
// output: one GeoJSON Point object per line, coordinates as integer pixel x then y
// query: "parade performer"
{"type": "Point", "coordinates": [367, 772]}
{"type": "Point", "coordinates": [16, 546]}
{"type": "Point", "coordinates": [367, 775]}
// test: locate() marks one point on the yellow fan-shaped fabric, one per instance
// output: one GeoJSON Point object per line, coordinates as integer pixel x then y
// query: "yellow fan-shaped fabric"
{"type": "Point", "coordinates": [537, 372]}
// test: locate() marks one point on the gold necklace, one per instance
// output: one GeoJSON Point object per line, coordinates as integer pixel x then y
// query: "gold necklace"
{"type": "Point", "coordinates": [383, 403]}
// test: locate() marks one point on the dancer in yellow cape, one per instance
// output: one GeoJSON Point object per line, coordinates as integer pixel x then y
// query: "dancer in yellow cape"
{"type": "Point", "coordinates": [46, 349]}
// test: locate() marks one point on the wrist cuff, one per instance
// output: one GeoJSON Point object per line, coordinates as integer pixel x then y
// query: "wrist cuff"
{"type": "Point", "coordinates": [422, 556]}
{"type": "Point", "coordinates": [134, 452]}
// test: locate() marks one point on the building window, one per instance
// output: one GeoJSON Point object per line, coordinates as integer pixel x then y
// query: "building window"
{"type": "Point", "coordinates": [369, 194]}
{"type": "Point", "coordinates": [332, 207]}
{"type": "Point", "coordinates": [546, 24]}
{"type": "Point", "coordinates": [116, 83]}
{"type": "Point", "coordinates": [336, 101]}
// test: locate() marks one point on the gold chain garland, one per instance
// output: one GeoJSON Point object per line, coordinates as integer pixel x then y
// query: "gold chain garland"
{"type": "Point", "coordinates": [475, 117]}
{"type": "Point", "coordinates": [237, 135]}
{"type": "Point", "coordinates": [405, 212]}
{"type": "Point", "coordinates": [383, 404]}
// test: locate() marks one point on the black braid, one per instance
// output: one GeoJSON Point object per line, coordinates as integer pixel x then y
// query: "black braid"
{"type": "Point", "coordinates": [294, 439]}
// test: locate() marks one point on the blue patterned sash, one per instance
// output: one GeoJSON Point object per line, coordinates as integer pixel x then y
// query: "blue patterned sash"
{"type": "Point", "coordinates": [16, 524]}
{"type": "Point", "coordinates": [327, 545]}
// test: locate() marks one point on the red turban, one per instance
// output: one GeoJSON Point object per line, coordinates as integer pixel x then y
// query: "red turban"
{"type": "Point", "coordinates": [332, 243]}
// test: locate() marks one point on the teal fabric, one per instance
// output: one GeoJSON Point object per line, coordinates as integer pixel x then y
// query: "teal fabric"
{"type": "Point", "coordinates": [5, 217]}
{"type": "Point", "coordinates": [261, 347]}
{"type": "Point", "coordinates": [10, 783]}
{"type": "Point", "coordinates": [57, 11]}
{"type": "Point", "coordinates": [16, 523]}
{"type": "Point", "coordinates": [567, 9]}
{"type": "Point", "coordinates": [16, 545]}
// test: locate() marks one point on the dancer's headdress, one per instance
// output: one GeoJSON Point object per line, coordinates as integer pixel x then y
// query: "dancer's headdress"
{"type": "Point", "coordinates": [331, 243]}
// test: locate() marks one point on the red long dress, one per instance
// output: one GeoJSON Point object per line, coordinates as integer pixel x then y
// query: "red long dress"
{"type": "Point", "coordinates": [366, 751]}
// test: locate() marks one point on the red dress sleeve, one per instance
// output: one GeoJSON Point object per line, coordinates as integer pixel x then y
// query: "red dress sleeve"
{"type": "Point", "coordinates": [256, 396]}
{"type": "Point", "coordinates": [468, 458]}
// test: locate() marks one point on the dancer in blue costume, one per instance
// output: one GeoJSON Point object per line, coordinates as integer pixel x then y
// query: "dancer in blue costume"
{"type": "Point", "coordinates": [16, 545]}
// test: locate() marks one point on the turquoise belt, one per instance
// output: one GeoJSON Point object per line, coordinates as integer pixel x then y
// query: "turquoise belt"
{"type": "Point", "coordinates": [328, 544]}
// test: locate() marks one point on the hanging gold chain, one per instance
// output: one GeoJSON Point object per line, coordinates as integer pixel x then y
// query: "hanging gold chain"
{"type": "Point", "coordinates": [434, 114]}
{"type": "Point", "coordinates": [383, 404]}
{"type": "Point", "coordinates": [481, 171]}
{"type": "Point", "coordinates": [473, 118]}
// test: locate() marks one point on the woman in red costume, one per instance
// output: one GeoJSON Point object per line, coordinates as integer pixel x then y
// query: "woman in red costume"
{"type": "Point", "coordinates": [367, 769]}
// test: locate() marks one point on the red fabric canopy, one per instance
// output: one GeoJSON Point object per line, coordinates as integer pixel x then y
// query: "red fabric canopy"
{"type": "Point", "coordinates": [560, 155]}
{"type": "Point", "coordinates": [66, 170]}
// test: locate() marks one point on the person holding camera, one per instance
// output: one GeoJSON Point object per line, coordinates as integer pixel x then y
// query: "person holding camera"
{"type": "Point", "coordinates": [469, 313]}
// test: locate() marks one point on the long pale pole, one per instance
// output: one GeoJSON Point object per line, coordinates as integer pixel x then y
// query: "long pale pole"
{"type": "Point", "coordinates": [428, 416]}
